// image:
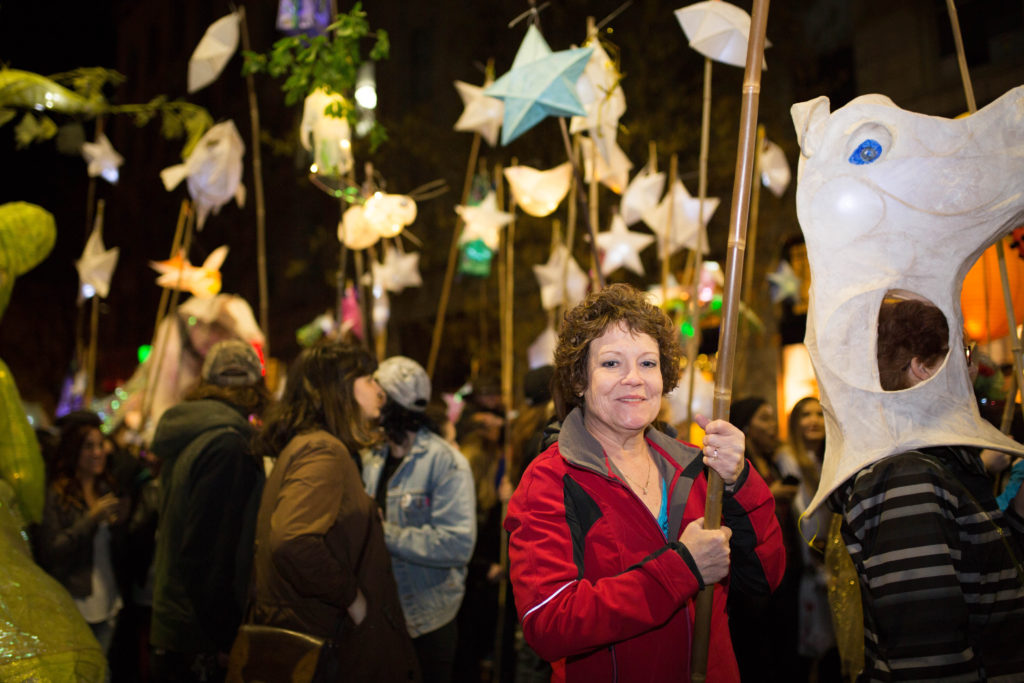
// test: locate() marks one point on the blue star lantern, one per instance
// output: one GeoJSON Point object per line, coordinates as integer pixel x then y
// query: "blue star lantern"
{"type": "Point", "coordinates": [540, 83]}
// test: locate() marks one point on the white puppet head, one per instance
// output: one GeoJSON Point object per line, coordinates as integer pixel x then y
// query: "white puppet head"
{"type": "Point", "coordinates": [891, 201]}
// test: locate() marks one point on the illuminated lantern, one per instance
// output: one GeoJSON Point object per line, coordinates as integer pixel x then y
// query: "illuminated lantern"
{"type": "Point", "coordinates": [981, 299]}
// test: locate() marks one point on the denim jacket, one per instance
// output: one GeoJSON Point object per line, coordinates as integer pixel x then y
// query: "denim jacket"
{"type": "Point", "coordinates": [430, 527]}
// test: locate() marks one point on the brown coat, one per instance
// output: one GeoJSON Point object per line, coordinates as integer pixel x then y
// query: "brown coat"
{"type": "Point", "coordinates": [318, 538]}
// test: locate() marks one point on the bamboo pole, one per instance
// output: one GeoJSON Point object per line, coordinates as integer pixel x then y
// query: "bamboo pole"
{"type": "Point", "coordinates": [257, 181]}
{"type": "Point", "coordinates": [584, 211]}
{"type": "Point", "coordinates": [94, 323]}
{"type": "Point", "coordinates": [972, 107]}
{"type": "Point", "coordinates": [666, 238]}
{"type": "Point", "coordinates": [755, 213]}
{"type": "Point", "coordinates": [730, 306]}
{"type": "Point", "coordinates": [453, 255]}
{"type": "Point", "coordinates": [570, 234]}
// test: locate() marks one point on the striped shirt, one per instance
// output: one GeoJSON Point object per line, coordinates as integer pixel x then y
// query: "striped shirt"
{"type": "Point", "coordinates": [939, 569]}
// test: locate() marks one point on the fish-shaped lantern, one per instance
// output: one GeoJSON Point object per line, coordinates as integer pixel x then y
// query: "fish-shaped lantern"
{"type": "Point", "coordinates": [213, 170]}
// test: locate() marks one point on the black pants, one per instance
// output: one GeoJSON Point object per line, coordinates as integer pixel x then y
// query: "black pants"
{"type": "Point", "coordinates": [436, 652]}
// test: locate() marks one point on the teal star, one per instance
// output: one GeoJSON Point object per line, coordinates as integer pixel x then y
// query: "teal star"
{"type": "Point", "coordinates": [540, 83]}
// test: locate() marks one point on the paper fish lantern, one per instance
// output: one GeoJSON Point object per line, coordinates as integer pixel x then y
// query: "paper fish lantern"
{"type": "Point", "coordinates": [328, 137]}
{"type": "Point", "coordinates": [893, 200]}
{"type": "Point", "coordinates": [213, 170]}
{"type": "Point", "coordinates": [389, 214]}
{"type": "Point", "coordinates": [354, 231]}
{"type": "Point", "coordinates": [539, 193]}
{"type": "Point", "coordinates": [203, 281]}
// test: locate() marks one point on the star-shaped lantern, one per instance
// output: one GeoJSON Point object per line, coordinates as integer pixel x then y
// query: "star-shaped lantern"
{"type": "Point", "coordinates": [785, 284]}
{"type": "Point", "coordinates": [102, 158]}
{"type": "Point", "coordinates": [686, 227]}
{"type": "Point", "coordinates": [601, 95]}
{"type": "Point", "coordinates": [641, 195]}
{"type": "Point", "coordinates": [96, 266]}
{"type": "Point", "coordinates": [178, 273]}
{"type": "Point", "coordinates": [540, 83]}
{"type": "Point", "coordinates": [483, 222]}
{"type": "Point", "coordinates": [397, 271]}
{"type": "Point", "coordinates": [539, 193]}
{"type": "Point", "coordinates": [611, 166]}
{"type": "Point", "coordinates": [542, 350]}
{"type": "Point", "coordinates": [480, 113]}
{"type": "Point", "coordinates": [621, 247]}
{"type": "Point", "coordinates": [561, 280]}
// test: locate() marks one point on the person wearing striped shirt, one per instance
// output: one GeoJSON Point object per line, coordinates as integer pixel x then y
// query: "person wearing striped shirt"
{"type": "Point", "coordinates": [939, 564]}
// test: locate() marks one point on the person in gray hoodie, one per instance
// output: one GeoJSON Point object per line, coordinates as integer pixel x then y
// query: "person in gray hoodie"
{"type": "Point", "coordinates": [210, 484]}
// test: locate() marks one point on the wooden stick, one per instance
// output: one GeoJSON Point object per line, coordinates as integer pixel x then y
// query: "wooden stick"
{"type": "Point", "coordinates": [453, 256]}
{"type": "Point", "coordinates": [972, 107]}
{"type": "Point", "coordinates": [731, 305]}
{"type": "Point", "coordinates": [673, 174]}
{"type": "Point", "coordinates": [94, 323]}
{"type": "Point", "coordinates": [257, 181]}
{"type": "Point", "coordinates": [755, 213]}
{"type": "Point", "coordinates": [584, 211]}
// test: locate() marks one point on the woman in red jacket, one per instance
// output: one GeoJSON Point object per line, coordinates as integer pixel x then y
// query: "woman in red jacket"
{"type": "Point", "coordinates": [606, 537]}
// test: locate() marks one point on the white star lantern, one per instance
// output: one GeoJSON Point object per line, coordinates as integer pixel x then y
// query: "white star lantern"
{"type": "Point", "coordinates": [542, 350]}
{"type": "Point", "coordinates": [600, 93]}
{"type": "Point", "coordinates": [483, 222]}
{"type": "Point", "coordinates": [397, 271]}
{"type": "Point", "coordinates": [102, 158]}
{"type": "Point", "coordinates": [686, 227]}
{"type": "Point", "coordinates": [480, 113]}
{"type": "Point", "coordinates": [612, 166]}
{"type": "Point", "coordinates": [621, 247]}
{"type": "Point", "coordinates": [541, 83]}
{"type": "Point", "coordinates": [96, 266]}
{"type": "Point", "coordinates": [561, 280]}
{"type": "Point", "coordinates": [641, 195]}
{"type": "Point", "coordinates": [539, 193]}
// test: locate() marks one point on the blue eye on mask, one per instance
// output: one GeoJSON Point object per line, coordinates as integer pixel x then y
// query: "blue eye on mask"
{"type": "Point", "coordinates": [866, 152]}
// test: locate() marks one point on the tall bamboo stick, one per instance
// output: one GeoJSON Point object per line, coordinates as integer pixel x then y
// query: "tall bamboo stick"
{"type": "Point", "coordinates": [972, 106]}
{"type": "Point", "coordinates": [584, 210]}
{"type": "Point", "coordinates": [453, 255]}
{"type": "Point", "coordinates": [730, 306]}
{"type": "Point", "coordinates": [755, 214]}
{"type": "Point", "coordinates": [257, 181]}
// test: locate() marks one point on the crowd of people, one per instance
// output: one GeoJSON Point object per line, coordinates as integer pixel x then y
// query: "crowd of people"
{"type": "Point", "coordinates": [569, 544]}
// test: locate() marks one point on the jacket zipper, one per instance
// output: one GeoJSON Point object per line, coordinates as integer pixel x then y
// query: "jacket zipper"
{"type": "Point", "coordinates": [615, 664]}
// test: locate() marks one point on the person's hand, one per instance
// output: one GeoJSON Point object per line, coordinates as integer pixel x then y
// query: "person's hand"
{"type": "Point", "coordinates": [104, 509]}
{"type": "Point", "coordinates": [505, 489]}
{"type": "Point", "coordinates": [994, 461]}
{"type": "Point", "coordinates": [357, 610]}
{"type": "Point", "coordinates": [495, 573]}
{"type": "Point", "coordinates": [709, 549]}
{"type": "Point", "coordinates": [724, 446]}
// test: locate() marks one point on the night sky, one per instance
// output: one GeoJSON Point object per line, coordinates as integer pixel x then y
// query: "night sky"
{"type": "Point", "coordinates": [432, 44]}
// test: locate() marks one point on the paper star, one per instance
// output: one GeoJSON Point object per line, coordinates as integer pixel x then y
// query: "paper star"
{"type": "Point", "coordinates": [483, 222]}
{"type": "Point", "coordinates": [641, 195]}
{"type": "Point", "coordinates": [480, 114]}
{"type": "Point", "coordinates": [686, 228]}
{"type": "Point", "coordinates": [561, 280]}
{"type": "Point", "coordinates": [621, 247]}
{"type": "Point", "coordinates": [540, 83]}
{"type": "Point", "coordinates": [539, 193]}
{"type": "Point", "coordinates": [775, 173]}
{"type": "Point", "coordinates": [600, 93]}
{"type": "Point", "coordinates": [542, 350]}
{"type": "Point", "coordinates": [612, 166]}
{"type": "Point", "coordinates": [397, 271]}
{"type": "Point", "coordinates": [178, 273]}
{"type": "Point", "coordinates": [102, 158]}
{"type": "Point", "coordinates": [96, 266]}
{"type": "Point", "coordinates": [784, 283]}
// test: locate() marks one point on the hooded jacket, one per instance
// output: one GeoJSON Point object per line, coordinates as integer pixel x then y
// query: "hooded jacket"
{"type": "Point", "coordinates": [210, 484]}
{"type": "Point", "coordinates": [319, 539]}
{"type": "Point", "coordinates": [601, 593]}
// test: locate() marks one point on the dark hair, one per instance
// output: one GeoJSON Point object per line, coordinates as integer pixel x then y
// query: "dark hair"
{"type": "Point", "coordinates": [397, 421]}
{"type": "Point", "coordinates": [68, 453]}
{"type": "Point", "coordinates": [252, 399]}
{"type": "Point", "coordinates": [595, 315]}
{"type": "Point", "coordinates": [319, 395]}
{"type": "Point", "coordinates": [908, 329]}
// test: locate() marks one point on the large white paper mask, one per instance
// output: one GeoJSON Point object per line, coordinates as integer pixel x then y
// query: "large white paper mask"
{"type": "Point", "coordinates": [892, 200]}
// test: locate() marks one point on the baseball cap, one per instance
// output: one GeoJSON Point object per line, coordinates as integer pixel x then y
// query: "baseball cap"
{"type": "Point", "coordinates": [232, 363]}
{"type": "Point", "coordinates": [405, 382]}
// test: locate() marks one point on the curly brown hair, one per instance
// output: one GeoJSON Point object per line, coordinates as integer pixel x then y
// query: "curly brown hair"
{"type": "Point", "coordinates": [908, 329]}
{"type": "Point", "coordinates": [591, 318]}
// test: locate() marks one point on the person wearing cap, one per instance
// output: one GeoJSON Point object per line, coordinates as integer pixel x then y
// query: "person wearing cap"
{"type": "Point", "coordinates": [424, 488]}
{"type": "Point", "coordinates": [210, 488]}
